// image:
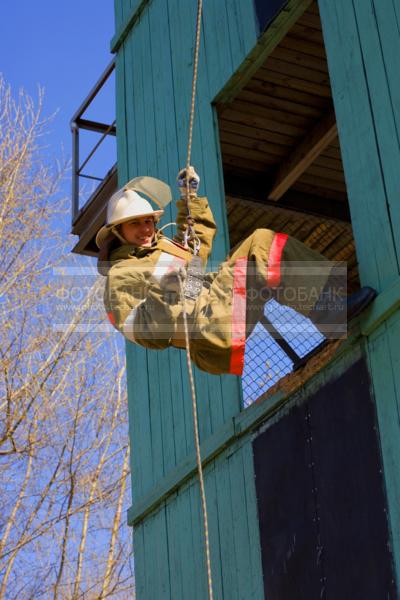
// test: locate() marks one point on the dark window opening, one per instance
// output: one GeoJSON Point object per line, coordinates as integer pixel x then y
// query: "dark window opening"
{"type": "Point", "coordinates": [283, 171]}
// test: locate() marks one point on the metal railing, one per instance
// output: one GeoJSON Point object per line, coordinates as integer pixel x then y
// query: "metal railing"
{"type": "Point", "coordinates": [77, 123]}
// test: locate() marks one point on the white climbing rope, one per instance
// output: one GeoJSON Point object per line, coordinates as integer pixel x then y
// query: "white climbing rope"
{"type": "Point", "coordinates": [197, 446]}
{"type": "Point", "coordinates": [192, 236]}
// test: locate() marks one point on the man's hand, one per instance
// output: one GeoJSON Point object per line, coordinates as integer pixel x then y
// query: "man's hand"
{"type": "Point", "coordinates": [190, 177]}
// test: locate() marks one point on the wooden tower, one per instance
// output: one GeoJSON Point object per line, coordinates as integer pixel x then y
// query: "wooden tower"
{"type": "Point", "coordinates": [297, 128]}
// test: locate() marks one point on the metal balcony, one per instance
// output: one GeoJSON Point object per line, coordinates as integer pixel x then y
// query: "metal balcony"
{"type": "Point", "coordinates": [88, 218]}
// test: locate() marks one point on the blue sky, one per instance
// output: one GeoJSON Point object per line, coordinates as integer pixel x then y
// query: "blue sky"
{"type": "Point", "coordinates": [63, 47]}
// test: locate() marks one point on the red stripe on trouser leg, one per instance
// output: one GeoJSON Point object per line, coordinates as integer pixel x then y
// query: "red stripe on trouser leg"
{"type": "Point", "coordinates": [238, 316]}
{"type": "Point", "coordinates": [274, 259]}
{"type": "Point", "coordinates": [111, 318]}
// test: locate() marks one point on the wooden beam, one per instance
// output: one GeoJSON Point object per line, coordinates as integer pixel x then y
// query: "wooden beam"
{"type": "Point", "coordinates": [251, 190]}
{"type": "Point", "coordinates": [312, 145]}
{"type": "Point", "coordinates": [274, 33]}
{"type": "Point", "coordinates": [128, 23]}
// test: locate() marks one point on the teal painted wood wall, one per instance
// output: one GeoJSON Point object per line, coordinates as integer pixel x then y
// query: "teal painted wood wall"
{"type": "Point", "coordinates": [154, 76]}
{"type": "Point", "coordinates": [362, 39]}
{"type": "Point", "coordinates": [153, 89]}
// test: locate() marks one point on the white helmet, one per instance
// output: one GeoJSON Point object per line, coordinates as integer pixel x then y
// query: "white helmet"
{"type": "Point", "coordinates": [126, 203]}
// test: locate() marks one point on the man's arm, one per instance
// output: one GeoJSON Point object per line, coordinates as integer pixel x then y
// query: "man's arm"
{"type": "Point", "coordinates": [200, 211]}
{"type": "Point", "coordinates": [136, 307]}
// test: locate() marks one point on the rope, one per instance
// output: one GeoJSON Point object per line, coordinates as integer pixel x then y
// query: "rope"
{"type": "Point", "coordinates": [194, 81]}
{"type": "Point", "coordinates": [191, 235]}
{"type": "Point", "coordinates": [189, 218]}
{"type": "Point", "coordinates": [197, 445]}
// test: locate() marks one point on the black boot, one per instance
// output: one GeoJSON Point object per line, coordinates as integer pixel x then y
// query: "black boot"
{"type": "Point", "coordinates": [358, 301]}
{"type": "Point", "coordinates": [331, 318]}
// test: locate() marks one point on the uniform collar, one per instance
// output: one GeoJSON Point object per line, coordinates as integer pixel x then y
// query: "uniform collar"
{"type": "Point", "coordinates": [131, 250]}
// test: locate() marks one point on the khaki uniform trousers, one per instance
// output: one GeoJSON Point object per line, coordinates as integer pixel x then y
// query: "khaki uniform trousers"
{"type": "Point", "coordinates": [266, 265]}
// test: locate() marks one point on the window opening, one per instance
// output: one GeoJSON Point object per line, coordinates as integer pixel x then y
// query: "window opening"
{"type": "Point", "coordinates": [283, 171]}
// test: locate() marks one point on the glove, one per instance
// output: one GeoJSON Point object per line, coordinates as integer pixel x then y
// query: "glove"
{"type": "Point", "coordinates": [170, 282]}
{"type": "Point", "coordinates": [194, 182]}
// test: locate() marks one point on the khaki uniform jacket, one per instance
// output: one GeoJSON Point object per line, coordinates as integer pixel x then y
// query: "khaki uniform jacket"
{"type": "Point", "coordinates": [133, 298]}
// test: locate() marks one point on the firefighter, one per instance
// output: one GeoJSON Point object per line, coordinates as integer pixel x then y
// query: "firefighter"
{"type": "Point", "coordinates": [151, 279]}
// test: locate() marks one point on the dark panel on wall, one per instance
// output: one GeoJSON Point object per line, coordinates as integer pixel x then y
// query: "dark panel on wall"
{"type": "Point", "coordinates": [286, 509]}
{"type": "Point", "coordinates": [266, 10]}
{"type": "Point", "coordinates": [320, 498]}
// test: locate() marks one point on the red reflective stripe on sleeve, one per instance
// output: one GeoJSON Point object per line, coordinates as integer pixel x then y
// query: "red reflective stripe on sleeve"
{"type": "Point", "coordinates": [238, 316]}
{"type": "Point", "coordinates": [274, 259]}
{"type": "Point", "coordinates": [111, 318]}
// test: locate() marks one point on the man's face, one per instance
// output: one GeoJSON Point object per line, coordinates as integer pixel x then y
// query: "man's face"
{"type": "Point", "coordinates": [139, 231]}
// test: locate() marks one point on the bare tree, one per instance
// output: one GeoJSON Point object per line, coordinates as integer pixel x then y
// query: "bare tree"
{"type": "Point", "coordinates": [63, 433]}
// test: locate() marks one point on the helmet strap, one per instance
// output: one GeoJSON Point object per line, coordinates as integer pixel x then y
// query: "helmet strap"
{"type": "Point", "coordinates": [117, 234]}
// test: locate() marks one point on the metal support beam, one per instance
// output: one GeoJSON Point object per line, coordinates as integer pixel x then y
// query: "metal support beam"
{"type": "Point", "coordinates": [75, 172]}
{"type": "Point", "coordinates": [78, 123]}
{"type": "Point", "coordinates": [96, 126]}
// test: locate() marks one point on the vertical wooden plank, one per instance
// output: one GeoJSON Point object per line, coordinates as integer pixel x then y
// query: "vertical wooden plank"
{"type": "Point", "coordinates": [214, 533]}
{"type": "Point", "coordinates": [120, 84]}
{"type": "Point", "coordinates": [382, 105]}
{"type": "Point", "coordinates": [384, 360]}
{"type": "Point", "coordinates": [186, 564]}
{"type": "Point", "coordinates": [370, 220]}
{"type": "Point", "coordinates": [130, 112]}
{"type": "Point", "coordinates": [225, 520]}
{"type": "Point", "coordinates": [388, 26]}
{"type": "Point", "coordinates": [163, 574]}
{"type": "Point", "coordinates": [256, 589]}
{"type": "Point", "coordinates": [216, 46]}
{"type": "Point", "coordinates": [156, 433]}
{"type": "Point", "coordinates": [236, 41]}
{"type": "Point", "coordinates": [149, 550]}
{"type": "Point", "coordinates": [140, 563]}
{"type": "Point", "coordinates": [181, 18]}
{"type": "Point", "coordinates": [144, 105]}
{"type": "Point", "coordinates": [178, 407]}
{"type": "Point", "coordinates": [139, 422]}
{"type": "Point", "coordinates": [165, 401]}
{"type": "Point", "coordinates": [118, 13]}
{"type": "Point", "coordinates": [230, 33]}
{"type": "Point", "coordinates": [246, 28]}
{"type": "Point", "coordinates": [241, 536]}
{"type": "Point", "coordinates": [198, 541]}
{"type": "Point", "coordinates": [157, 584]}
{"type": "Point", "coordinates": [176, 533]}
